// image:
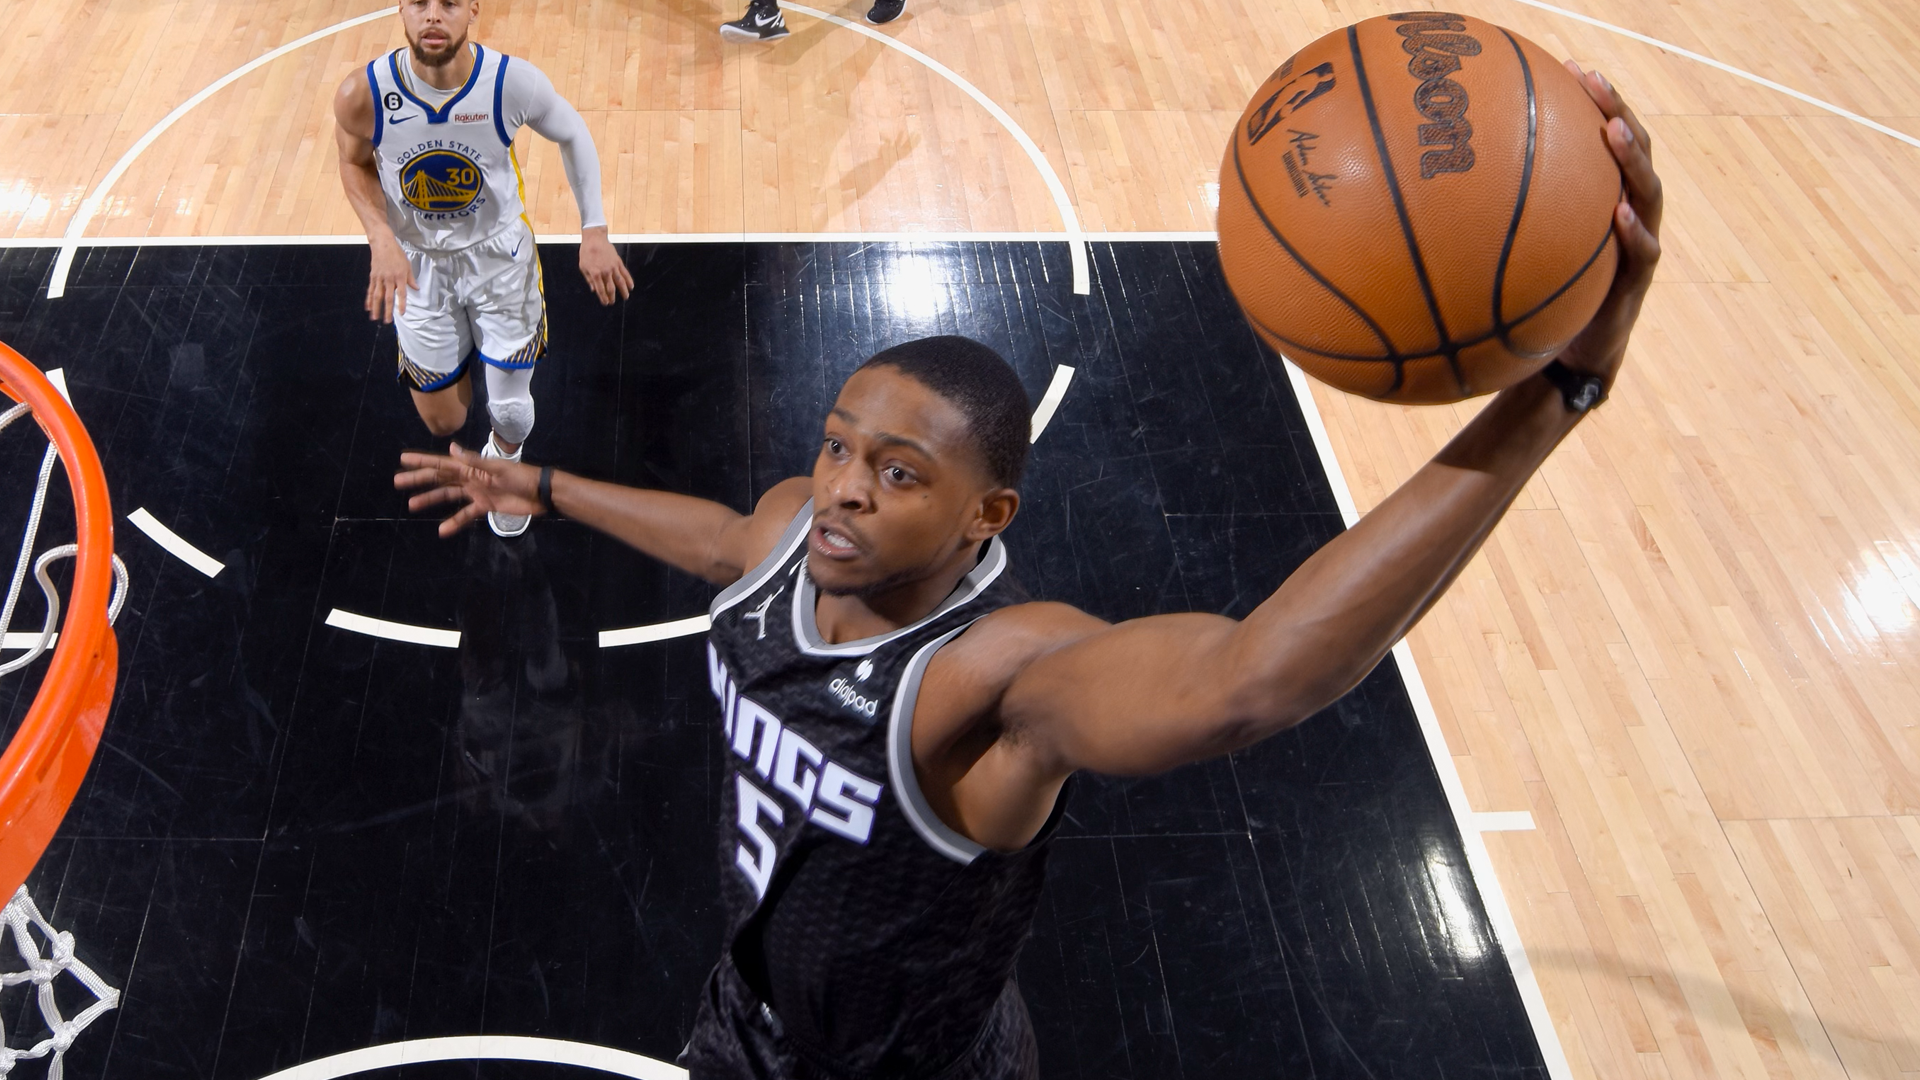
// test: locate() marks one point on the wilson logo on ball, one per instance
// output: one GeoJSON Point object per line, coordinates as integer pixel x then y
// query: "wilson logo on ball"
{"type": "Point", "coordinates": [1436, 40]}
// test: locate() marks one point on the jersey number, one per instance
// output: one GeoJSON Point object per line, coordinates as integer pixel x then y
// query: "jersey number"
{"type": "Point", "coordinates": [756, 853]}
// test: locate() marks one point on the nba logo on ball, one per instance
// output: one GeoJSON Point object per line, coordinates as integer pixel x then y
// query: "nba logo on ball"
{"type": "Point", "coordinates": [440, 182]}
{"type": "Point", "coordinates": [1419, 208]}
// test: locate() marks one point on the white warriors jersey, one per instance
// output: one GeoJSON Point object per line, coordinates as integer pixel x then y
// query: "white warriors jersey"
{"type": "Point", "coordinates": [449, 173]}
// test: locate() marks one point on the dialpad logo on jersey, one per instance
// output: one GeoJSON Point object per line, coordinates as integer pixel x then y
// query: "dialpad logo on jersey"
{"type": "Point", "coordinates": [829, 794]}
{"type": "Point", "coordinates": [441, 181]}
{"type": "Point", "coordinates": [845, 694]}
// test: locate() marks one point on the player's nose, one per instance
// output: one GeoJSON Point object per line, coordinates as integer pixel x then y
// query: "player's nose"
{"type": "Point", "coordinates": [850, 486]}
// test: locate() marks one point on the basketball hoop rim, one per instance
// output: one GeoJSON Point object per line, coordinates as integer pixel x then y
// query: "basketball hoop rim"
{"type": "Point", "coordinates": [41, 768]}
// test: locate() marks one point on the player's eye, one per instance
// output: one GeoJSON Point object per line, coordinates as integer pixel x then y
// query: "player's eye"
{"type": "Point", "coordinates": [834, 447]}
{"type": "Point", "coordinates": [898, 475]}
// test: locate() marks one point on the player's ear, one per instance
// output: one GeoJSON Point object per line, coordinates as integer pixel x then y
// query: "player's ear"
{"type": "Point", "coordinates": [994, 514]}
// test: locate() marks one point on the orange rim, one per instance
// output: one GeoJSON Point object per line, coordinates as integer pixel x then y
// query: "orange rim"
{"type": "Point", "coordinates": [43, 766]}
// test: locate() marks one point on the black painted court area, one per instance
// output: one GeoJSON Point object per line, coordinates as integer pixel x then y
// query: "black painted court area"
{"type": "Point", "coordinates": [298, 840]}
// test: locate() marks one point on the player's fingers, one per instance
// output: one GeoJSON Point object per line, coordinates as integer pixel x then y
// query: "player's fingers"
{"type": "Point", "coordinates": [415, 459]}
{"type": "Point", "coordinates": [625, 278]}
{"type": "Point", "coordinates": [421, 477]}
{"type": "Point", "coordinates": [436, 496]}
{"type": "Point", "coordinates": [1643, 184]}
{"type": "Point", "coordinates": [467, 515]}
{"type": "Point", "coordinates": [1640, 245]}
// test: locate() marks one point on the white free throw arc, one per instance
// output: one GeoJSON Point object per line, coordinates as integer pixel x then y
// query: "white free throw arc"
{"type": "Point", "coordinates": [483, 1048]}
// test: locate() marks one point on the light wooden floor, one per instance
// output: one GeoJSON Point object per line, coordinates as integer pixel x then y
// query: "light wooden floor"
{"type": "Point", "coordinates": [1692, 651]}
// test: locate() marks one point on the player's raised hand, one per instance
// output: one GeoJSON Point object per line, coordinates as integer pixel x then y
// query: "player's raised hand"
{"type": "Point", "coordinates": [1636, 225]}
{"type": "Point", "coordinates": [601, 265]}
{"type": "Point", "coordinates": [388, 280]}
{"type": "Point", "coordinates": [482, 484]}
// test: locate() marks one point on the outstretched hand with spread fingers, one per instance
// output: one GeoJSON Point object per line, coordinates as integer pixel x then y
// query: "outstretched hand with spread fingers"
{"type": "Point", "coordinates": [1602, 346]}
{"type": "Point", "coordinates": [462, 476]}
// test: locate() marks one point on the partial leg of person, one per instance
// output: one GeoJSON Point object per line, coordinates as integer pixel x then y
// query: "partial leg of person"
{"type": "Point", "coordinates": [501, 291]}
{"type": "Point", "coordinates": [762, 22]}
{"type": "Point", "coordinates": [436, 347]}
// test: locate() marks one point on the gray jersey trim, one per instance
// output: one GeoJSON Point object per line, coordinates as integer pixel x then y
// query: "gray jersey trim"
{"type": "Point", "coordinates": [797, 530]}
{"type": "Point", "coordinates": [806, 632]}
{"type": "Point", "coordinates": [906, 785]}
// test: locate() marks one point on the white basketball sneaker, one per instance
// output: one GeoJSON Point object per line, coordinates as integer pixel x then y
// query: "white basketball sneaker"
{"type": "Point", "coordinates": [504, 525]}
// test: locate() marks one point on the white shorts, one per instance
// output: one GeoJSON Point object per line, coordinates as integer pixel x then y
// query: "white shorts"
{"type": "Point", "coordinates": [484, 300]}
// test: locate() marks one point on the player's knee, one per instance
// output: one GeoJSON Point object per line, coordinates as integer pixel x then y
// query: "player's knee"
{"type": "Point", "coordinates": [445, 423]}
{"type": "Point", "coordinates": [512, 416]}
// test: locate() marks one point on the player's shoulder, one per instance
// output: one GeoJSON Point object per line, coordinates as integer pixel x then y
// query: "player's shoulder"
{"type": "Point", "coordinates": [521, 73]}
{"type": "Point", "coordinates": [1003, 642]}
{"type": "Point", "coordinates": [779, 503]}
{"type": "Point", "coordinates": [353, 101]}
{"type": "Point", "coordinates": [749, 541]}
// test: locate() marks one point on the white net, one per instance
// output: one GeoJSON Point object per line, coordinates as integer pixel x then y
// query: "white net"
{"type": "Point", "coordinates": [28, 928]}
{"type": "Point", "coordinates": [21, 919]}
{"type": "Point", "coordinates": [37, 644]}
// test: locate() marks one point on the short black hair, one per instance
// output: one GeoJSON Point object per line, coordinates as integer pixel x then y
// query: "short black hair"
{"type": "Point", "coordinates": [981, 385]}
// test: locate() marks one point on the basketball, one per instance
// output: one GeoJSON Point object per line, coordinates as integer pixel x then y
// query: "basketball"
{"type": "Point", "coordinates": [1419, 208]}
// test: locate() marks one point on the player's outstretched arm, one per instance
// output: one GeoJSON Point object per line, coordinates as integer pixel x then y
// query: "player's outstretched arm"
{"type": "Point", "coordinates": [703, 538]}
{"type": "Point", "coordinates": [1149, 694]}
{"type": "Point", "coordinates": [389, 277]}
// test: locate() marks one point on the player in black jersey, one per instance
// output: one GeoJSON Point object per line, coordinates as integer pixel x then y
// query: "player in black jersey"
{"type": "Point", "coordinates": [902, 721]}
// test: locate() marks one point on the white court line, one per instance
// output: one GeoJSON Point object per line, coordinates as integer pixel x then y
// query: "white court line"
{"type": "Point", "coordinates": [175, 546]}
{"type": "Point", "coordinates": [91, 205]}
{"type": "Point", "coordinates": [1076, 238]}
{"type": "Point", "coordinates": [393, 631]}
{"type": "Point", "coordinates": [1718, 65]}
{"type": "Point", "coordinates": [17, 639]}
{"type": "Point", "coordinates": [640, 635]}
{"type": "Point", "coordinates": [1041, 237]}
{"type": "Point", "coordinates": [1503, 820]}
{"type": "Point", "coordinates": [482, 1048]}
{"type": "Point", "coordinates": [1050, 401]}
{"type": "Point", "coordinates": [1478, 861]}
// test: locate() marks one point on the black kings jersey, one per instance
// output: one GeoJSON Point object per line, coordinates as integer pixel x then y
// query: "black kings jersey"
{"type": "Point", "coordinates": [879, 938]}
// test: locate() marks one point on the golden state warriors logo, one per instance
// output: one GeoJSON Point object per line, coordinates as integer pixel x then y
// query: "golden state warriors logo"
{"type": "Point", "coordinates": [440, 182]}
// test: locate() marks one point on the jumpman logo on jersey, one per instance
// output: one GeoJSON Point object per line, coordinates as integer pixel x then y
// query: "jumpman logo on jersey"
{"type": "Point", "coordinates": [759, 614]}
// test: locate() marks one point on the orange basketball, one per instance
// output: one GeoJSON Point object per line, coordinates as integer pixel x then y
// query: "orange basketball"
{"type": "Point", "coordinates": [1419, 208]}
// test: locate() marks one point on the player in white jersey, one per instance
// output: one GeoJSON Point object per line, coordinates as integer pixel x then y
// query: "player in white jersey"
{"type": "Point", "coordinates": [426, 155]}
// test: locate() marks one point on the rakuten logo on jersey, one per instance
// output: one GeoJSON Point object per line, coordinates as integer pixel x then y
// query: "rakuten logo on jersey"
{"type": "Point", "coordinates": [851, 698]}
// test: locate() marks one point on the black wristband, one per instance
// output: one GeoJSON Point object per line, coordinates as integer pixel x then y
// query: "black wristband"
{"type": "Point", "coordinates": [546, 488]}
{"type": "Point", "coordinates": [1579, 391]}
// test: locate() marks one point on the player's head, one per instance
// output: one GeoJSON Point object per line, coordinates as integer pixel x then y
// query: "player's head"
{"type": "Point", "coordinates": [920, 462]}
{"type": "Point", "coordinates": [437, 29]}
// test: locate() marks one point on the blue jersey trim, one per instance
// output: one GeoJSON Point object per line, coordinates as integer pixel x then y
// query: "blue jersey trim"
{"type": "Point", "coordinates": [379, 110]}
{"type": "Point", "coordinates": [440, 115]}
{"type": "Point", "coordinates": [443, 381]}
{"type": "Point", "coordinates": [499, 95]}
{"type": "Point", "coordinates": [532, 353]}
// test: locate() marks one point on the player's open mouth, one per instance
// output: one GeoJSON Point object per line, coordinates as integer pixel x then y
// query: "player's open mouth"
{"type": "Point", "coordinates": [833, 543]}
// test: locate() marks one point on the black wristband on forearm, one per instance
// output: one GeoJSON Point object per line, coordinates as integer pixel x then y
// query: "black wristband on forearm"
{"type": "Point", "coordinates": [546, 488]}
